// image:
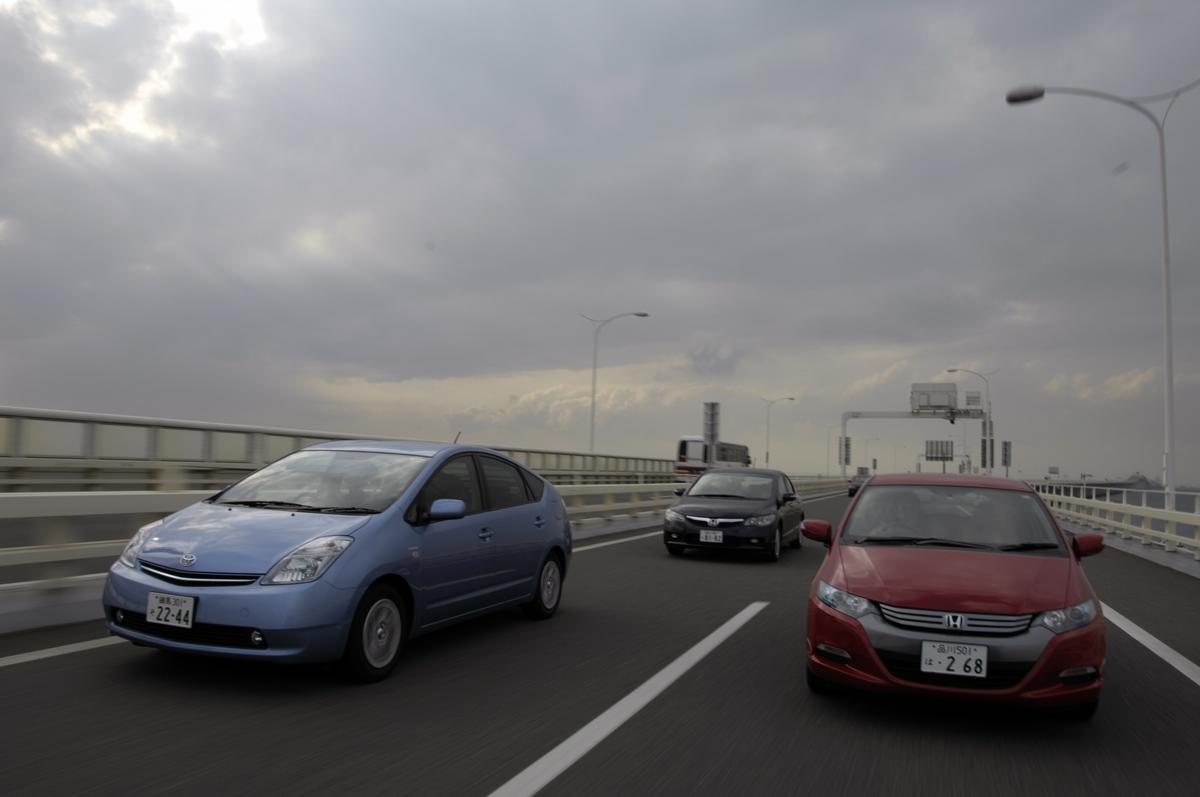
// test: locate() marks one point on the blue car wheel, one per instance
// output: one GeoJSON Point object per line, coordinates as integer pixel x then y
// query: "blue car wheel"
{"type": "Point", "coordinates": [548, 591]}
{"type": "Point", "coordinates": [377, 635]}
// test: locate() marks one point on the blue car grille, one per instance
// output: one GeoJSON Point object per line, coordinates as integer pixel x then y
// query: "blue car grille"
{"type": "Point", "coordinates": [186, 578]}
{"type": "Point", "coordinates": [225, 636]}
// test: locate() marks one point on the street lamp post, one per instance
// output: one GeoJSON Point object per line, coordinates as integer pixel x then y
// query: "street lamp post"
{"type": "Point", "coordinates": [988, 432]}
{"type": "Point", "coordinates": [599, 324]}
{"type": "Point", "coordinates": [1028, 94]}
{"type": "Point", "coordinates": [769, 402]}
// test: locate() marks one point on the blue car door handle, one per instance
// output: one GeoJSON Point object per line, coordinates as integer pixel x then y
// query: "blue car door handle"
{"type": "Point", "coordinates": [537, 521]}
{"type": "Point", "coordinates": [485, 534]}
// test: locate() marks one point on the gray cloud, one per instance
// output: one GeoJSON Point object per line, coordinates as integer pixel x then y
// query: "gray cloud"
{"type": "Point", "coordinates": [428, 191]}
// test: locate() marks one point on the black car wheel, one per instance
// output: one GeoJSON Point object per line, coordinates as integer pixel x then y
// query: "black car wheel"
{"type": "Point", "coordinates": [817, 684]}
{"type": "Point", "coordinates": [1084, 712]}
{"type": "Point", "coordinates": [675, 550]}
{"type": "Point", "coordinates": [773, 553]}
{"type": "Point", "coordinates": [795, 543]}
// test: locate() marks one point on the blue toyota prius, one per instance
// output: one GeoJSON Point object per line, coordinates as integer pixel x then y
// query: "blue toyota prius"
{"type": "Point", "coordinates": [342, 551]}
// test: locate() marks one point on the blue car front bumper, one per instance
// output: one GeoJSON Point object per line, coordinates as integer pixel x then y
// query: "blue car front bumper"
{"type": "Point", "coordinates": [297, 622]}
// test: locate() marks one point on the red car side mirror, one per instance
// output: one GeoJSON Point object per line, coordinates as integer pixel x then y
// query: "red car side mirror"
{"type": "Point", "coordinates": [817, 530]}
{"type": "Point", "coordinates": [1088, 544]}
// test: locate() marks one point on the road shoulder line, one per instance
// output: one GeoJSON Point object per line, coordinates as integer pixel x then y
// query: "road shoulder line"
{"type": "Point", "coordinates": [540, 773]}
{"type": "Point", "coordinates": [1153, 644]}
{"type": "Point", "coordinates": [61, 650]}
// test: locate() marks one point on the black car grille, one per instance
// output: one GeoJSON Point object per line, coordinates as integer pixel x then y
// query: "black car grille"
{"type": "Point", "coordinates": [186, 578]}
{"type": "Point", "coordinates": [1000, 674]}
{"type": "Point", "coordinates": [226, 636]}
{"type": "Point", "coordinates": [720, 523]}
{"type": "Point", "coordinates": [970, 623]}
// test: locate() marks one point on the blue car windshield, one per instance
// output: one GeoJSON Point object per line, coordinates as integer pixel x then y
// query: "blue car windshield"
{"type": "Point", "coordinates": [331, 481]}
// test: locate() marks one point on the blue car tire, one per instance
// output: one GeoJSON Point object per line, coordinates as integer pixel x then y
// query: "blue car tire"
{"type": "Point", "coordinates": [377, 635]}
{"type": "Point", "coordinates": [548, 591]}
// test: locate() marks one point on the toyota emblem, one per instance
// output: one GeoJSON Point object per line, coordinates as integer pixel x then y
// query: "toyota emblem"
{"type": "Point", "coordinates": [188, 559]}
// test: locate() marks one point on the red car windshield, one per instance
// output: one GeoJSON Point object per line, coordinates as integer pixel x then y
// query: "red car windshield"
{"type": "Point", "coordinates": [953, 516]}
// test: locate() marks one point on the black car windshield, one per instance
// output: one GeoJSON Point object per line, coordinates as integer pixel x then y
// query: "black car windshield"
{"type": "Point", "coordinates": [753, 486]}
{"type": "Point", "coordinates": [330, 481]}
{"type": "Point", "coordinates": [952, 516]}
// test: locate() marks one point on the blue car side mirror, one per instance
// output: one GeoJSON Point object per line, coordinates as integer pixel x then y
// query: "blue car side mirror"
{"type": "Point", "coordinates": [447, 509]}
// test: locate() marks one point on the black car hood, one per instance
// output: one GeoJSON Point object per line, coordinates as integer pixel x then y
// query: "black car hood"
{"type": "Point", "coordinates": [724, 507]}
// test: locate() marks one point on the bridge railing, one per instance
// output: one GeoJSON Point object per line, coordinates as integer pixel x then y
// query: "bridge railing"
{"type": "Point", "coordinates": [1131, 513]}
{"type": "Point", "coordinates": [54, 546]}
{"type": "Point", "coordinates": [54, 450]}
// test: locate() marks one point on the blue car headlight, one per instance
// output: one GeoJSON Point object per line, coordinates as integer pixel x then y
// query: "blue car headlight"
{"type": "Point", "coordinates": [308, 562]}
{"type": "Point", "coordinates": [761, 520]}
{"type": "Point", "coordinates": [671, 516]}
{"type": "Point", "coordinates": [129, 555]}
{"type": "Point", "coordinates": [845, 602]}
{"type": "Point", "coordinates": [1068, 619]}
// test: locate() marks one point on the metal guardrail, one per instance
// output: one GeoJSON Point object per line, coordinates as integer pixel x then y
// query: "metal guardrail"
{"type": "Point", "coordinates": [54, 450]}
{"type": "Point", "coordinates": [1131, 513]}
{"type": "Point", "coordinates": [52, 600]}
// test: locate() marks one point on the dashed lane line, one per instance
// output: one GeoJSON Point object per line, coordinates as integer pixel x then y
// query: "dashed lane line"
{"type": "Point", "coordinates": [537, 775]}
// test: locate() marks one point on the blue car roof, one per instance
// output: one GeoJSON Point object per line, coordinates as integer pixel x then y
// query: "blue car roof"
{"type": "Point", "coordinates": [417, 447]}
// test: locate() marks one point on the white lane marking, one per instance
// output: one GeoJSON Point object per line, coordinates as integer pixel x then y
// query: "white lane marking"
{"type": "Point", "coordinates": [1153, 644]}
{"type": "Point", "coordinates": [538, 774]}
{"type": "Point", "coordinates": [829, 497]}
{"type": "Point", "coordinates": [61, 650]}
{"type": "Point", "coordinates": [618, 542]}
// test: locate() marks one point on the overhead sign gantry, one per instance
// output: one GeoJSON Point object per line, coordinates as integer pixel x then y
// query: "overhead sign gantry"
{"type": "Point", "coordinates": [936, 401]}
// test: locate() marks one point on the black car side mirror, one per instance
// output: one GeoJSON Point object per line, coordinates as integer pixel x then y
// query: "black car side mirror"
{"type": "Point", "coordinates": [679, 490]}
{"type": "Point", "coordinates": [787, 498]}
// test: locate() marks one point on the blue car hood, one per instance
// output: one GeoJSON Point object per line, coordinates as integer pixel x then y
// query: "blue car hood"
{"type": "Point", "coordinates": [234, 539]}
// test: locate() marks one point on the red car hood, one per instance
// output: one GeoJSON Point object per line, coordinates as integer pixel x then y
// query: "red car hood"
{"type": "Point", "coordinates": [957, 580]}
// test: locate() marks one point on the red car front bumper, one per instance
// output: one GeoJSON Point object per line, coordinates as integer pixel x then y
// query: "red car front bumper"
{"type": "Point", "coordinates": [830, 632]}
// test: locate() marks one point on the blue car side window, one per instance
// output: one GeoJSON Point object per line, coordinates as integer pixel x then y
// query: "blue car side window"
{"type": "Point", "coordinates": [455, 479]}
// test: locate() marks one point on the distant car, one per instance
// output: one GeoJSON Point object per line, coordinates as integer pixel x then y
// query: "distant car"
{"type": "Point", "coordinates": [730, 509]}
{"type": "Point", "coordinates": [855, 483]}
{"type": "Point", "coordinates": [956, 586]}
{"type": "Point", "coordinates": [342, 551]}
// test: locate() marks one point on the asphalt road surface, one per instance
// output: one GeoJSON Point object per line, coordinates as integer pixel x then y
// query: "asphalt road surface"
{"type": "Point", "coordinates": [472, 707]}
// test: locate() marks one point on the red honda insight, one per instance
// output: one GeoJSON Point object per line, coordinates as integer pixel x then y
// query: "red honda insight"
{"type": "Point", "coordinates": [956, 586]}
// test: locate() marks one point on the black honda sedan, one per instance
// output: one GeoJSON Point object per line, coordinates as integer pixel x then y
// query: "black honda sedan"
{"type": "Point", "coordinates": [730, 509]}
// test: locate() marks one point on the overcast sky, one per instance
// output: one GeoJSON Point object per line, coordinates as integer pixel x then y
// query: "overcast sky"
{"type": "Point", "coordinates": [387, 217]}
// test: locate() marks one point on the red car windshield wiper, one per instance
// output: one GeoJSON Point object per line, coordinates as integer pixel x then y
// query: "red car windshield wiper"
{"type": "Point", "coordinates": [1029, 546]}
{"type": "Point", "coordinates": [922, 541]}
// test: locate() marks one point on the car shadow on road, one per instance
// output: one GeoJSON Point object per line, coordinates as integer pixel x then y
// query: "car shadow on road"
{"type": "Point", "coordinates": [165, 668]}
{"type": "Point", "coordinates": [923, 715]}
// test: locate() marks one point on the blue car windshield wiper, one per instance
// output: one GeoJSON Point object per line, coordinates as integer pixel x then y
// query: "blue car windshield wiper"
{"type": "Point", "coordinates": [922, 541]}
{"type": "Point", "coordinates": [713, 495]}
{"type": "Point", "coordinates": [272, 505]}
{"type": "Point", "coordinates": [347, 510]}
